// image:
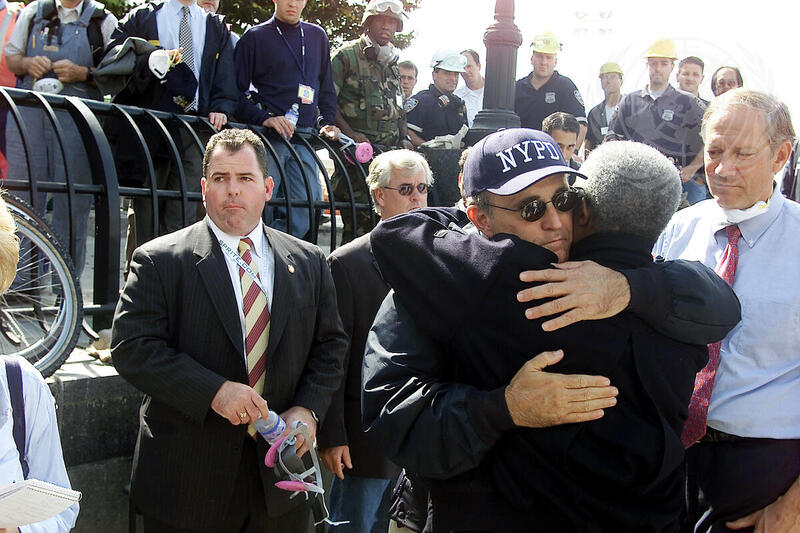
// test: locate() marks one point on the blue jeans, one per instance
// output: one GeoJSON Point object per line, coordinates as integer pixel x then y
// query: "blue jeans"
{"type": "Point", "coordinates": [363, 501]}
{"type": "Point", "coordinates": [695, 192]}
{"type": "Point", "coordinates": [296, 185]}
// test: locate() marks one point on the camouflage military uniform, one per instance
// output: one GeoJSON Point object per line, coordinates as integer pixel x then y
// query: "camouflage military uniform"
{"type": "Point", "coordinates": [369, 99]}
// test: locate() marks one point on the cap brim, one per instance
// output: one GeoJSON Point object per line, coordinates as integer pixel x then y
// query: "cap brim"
{"type": "Point", "coordinates": [523, 181]}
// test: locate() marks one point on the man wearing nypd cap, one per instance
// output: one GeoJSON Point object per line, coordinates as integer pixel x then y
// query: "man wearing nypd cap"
{"type": "Point", "coordinates": [455, 410]}
{"type": "Point", "coordinates": [544, 91]}
{"type": "Point", "coordinates": [436, 110]}
{"type": "Point", "coordinates": [601, 115]}
{"type": "Point", "coordinates": [664, 117]}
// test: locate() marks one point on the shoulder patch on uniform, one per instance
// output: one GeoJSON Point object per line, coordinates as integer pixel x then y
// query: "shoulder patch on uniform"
{"type": "Point", "coordinates": [578, 97]}
{"type": "Point", "coordinates": [410, 104]}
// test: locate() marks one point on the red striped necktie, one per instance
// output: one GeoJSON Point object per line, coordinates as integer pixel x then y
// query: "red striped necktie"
{"type": "Point", "coordinates": [695, 426]}
{"type": "Point", "coordinates": [256, 319]}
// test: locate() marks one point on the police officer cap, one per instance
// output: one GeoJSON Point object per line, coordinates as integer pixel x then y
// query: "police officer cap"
{"type": "Point", "coordinates": [389, 8]}
{"type": "Point", "coordinates": [546, 43]}
{"type": "Point", "coordinates": [509, 161]}
{"type": "Point", "coordinates": [608, 68]}
{"type": "Point", "coordinates": [449, 60]}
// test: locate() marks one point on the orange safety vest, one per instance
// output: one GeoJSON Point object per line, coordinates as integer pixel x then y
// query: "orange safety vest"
{"type": "Point", "coordinates": [8, 19]}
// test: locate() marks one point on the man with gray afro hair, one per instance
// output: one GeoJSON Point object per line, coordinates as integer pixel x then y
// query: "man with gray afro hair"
{"type": "Point", "coordinates": [626, 180]}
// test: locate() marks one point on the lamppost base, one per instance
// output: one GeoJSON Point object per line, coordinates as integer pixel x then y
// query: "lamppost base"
{"type": "Point", "coordinates": [488, 121]}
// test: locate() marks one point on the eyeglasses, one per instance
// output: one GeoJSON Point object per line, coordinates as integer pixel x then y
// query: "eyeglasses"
{"type": "Point", "coordinates": [406, 189]}
{"type": "Point", "coordinates": [535, 209]}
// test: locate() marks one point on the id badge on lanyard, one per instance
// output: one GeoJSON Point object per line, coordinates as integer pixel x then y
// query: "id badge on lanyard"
{"type": "Point", "coordinates": [304, 92]}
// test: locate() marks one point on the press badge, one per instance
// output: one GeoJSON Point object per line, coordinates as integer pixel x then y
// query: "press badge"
{"type": "Point", "coordinates": [305, 94]}
{"type": "Point", "coordinates": [50, 48]}
{"type": "Point", "coordinates": [603, 130]}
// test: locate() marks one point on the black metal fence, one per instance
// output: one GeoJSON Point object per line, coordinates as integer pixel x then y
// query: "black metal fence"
{"type": "Point", "coordinates": [133, 127]}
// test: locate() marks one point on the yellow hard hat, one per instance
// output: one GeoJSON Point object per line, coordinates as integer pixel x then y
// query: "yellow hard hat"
{"type": "Point", "coordinates": [607, 68]}
{"type": "Point", "coordinates": [662, 48]}
{"type": "Point", "coordinates": [546, 43]}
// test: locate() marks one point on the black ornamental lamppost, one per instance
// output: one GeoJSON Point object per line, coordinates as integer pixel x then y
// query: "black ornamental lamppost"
{"type": "Point", "coordinates": [502, 40]}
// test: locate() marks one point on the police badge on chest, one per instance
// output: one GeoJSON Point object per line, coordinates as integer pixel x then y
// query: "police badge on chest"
{"type": "Point", "coordinates": [550, 98]}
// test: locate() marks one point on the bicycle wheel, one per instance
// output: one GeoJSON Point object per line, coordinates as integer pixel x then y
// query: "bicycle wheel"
{"type": "Point", "coordinates": [42, 311]}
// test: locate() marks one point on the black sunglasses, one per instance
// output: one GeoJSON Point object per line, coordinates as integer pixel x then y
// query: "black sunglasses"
{"type": "Point", "coordinates": [535, 209]}
{"type": "Point", "coordinates": [406, 189]}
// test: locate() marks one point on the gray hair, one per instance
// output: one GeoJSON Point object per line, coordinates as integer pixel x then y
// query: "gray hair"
{"type": "Point", "coordinates": [632, 188]}
{"type": "Point", "coordinates": [779, 121]}
{"type": "Point", "coordinates": [386, 164]}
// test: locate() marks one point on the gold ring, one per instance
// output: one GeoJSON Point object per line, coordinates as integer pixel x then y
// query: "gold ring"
{"type": "Point", "coordinates": [242, 415]}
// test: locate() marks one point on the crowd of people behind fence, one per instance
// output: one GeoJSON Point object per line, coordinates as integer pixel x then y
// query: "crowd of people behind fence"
{"type": "Point", "coordinates": [664, 393]}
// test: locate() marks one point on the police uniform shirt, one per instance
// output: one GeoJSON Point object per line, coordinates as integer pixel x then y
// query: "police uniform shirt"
{"type": "Point", "coordinates": [557, 94]}
{"type": "Point", "coordinates": [669, 123]}
{"type": "Point", "coordinates": [429, 116]}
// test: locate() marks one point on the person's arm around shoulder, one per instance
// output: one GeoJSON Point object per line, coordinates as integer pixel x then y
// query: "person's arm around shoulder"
{"type": "Point", "coordinates": [684, 300]}
{"type": "Point", "coordinates": [43, 447]}
{"type": "Point", "coordinates": [432, 426]}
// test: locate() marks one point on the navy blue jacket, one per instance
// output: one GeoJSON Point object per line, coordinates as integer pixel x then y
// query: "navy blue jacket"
{"type": "Point", "coordinates": [217, 88]}
{"type": "Point", "coordinates": [462, 293]}
{"type": "Point", "coordinates": [265, 60]}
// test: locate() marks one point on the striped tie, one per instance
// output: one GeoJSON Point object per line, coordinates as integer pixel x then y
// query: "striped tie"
{"type": "Point", "coordinates": [256, 319]}
{"type": "Point", "coordinates": [695, 427]}
{"type": "Point", "coordinates": [185, 42]}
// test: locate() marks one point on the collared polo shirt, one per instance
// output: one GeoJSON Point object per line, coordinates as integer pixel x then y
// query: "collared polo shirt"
{"type": "Point", "coordinates": [557, 94]}
{"type": "Point", "coordinates": [669, 123]}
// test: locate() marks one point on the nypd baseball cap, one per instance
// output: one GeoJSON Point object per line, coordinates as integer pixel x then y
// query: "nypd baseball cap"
{"type": "Point", "coordinates": [509, 161]}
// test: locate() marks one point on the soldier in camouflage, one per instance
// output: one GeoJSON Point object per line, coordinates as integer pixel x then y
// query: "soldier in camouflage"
{"type": "Point", "coordinates": [370, 100]}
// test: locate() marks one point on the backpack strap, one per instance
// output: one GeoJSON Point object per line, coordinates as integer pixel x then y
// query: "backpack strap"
{"type": "Point", "coordinates": [14, 379]}
{"type": "Point", "coordinates": [94, 32]}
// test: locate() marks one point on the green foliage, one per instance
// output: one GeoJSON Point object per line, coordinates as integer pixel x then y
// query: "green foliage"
{"type": "Point", "coordinates": [340, 18]}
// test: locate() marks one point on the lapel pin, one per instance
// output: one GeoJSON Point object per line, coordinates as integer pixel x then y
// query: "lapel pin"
{"type": "Point", "coordinates": [291, 269]}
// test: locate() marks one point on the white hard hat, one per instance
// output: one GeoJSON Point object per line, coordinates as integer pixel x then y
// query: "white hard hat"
{"type": "Point", "coordinates": [449, 60]}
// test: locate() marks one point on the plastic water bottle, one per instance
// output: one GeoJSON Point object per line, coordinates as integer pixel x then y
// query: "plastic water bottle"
{"type": "Point", "coordinates": [293, 115]}
{"type": "Point", "coordinates": [272, 427]}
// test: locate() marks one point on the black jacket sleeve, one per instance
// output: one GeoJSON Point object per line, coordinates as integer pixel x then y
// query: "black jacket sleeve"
{"type": "Point", "coordinates": [420, 419]}
{"type": "Point", "coordinates": [224, 95]}
{"type": "Point", "coordinates": [684, 300]}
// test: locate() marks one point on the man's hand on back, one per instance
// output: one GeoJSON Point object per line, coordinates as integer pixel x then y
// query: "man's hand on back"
{"type": "Point", "coordinates": [583, 290]}
{"type": "Point", "coordinates": [540, 399]}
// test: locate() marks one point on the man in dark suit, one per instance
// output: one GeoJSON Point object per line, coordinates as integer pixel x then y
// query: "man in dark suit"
{"type": "Point", "coordinates": [399, 181]}
{"type": "Point", "coordinates": [202, 42]}
{"type": "Point", "coordinates": [184, 334]}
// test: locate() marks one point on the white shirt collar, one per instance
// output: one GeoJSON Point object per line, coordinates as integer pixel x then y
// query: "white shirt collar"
{"type": "Point", "coordinates": [177, 8]}
{"type": "Point", "coordinates": [62, 9]}
{"type": "Point", "coordinates": [257, 236]}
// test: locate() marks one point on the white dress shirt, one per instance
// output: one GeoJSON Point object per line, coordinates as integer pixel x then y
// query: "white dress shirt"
{"type": "Point", "coordinates": [263, 257]}
{"type": "Point", "coordinates": [473, 99]}
{"type": "Point", "coordinates": [757, 387]}
{"type": "Point", "coordinates": [42, 444]}
{"type": "Point", "coordinates": [168, 22]}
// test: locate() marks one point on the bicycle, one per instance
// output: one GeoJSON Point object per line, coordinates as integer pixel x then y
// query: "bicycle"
{"type": "Point", "coordinates": [42, 312]}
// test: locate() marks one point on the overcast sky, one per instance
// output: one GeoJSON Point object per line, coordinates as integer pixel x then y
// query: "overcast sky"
{"type": "Point", "coordinates": [763, 41]}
